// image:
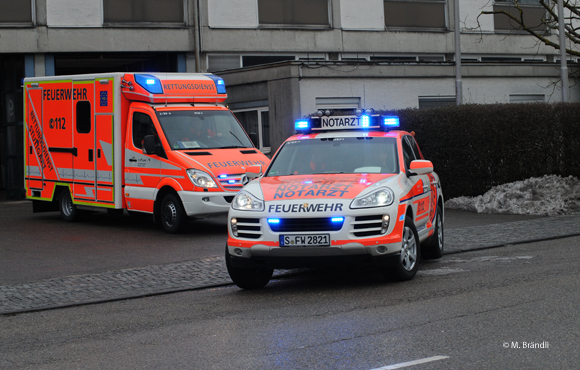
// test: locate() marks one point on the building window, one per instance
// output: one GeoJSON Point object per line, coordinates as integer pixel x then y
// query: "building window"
{"type": "Point", "coordinates": [16, 11]}
{"type": "Point", "coordinates": [410, 14]}
{"type": "Point", "coordinates": [294, 13]}
{"type": "Point", "coordinates": [533, 13]}
{"type": "Point", "coordinates": [338, 103]}
{"type": "Point", "coordinates": [257, 125]}
{"type": "Point", "coordinates": [436, 101]}
{"type": "Point", "coordinates": [144, 11]}
{"type": "Point", "coordinates": [527, 98]}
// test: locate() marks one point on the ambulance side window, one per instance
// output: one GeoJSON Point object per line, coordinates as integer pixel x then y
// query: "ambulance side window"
{"type": "Point", "coordinates": [414, 146]}
{"type": "Point", "coordinates": [142, 126]}
{"type": "Point", "coordinates": [83, 117]}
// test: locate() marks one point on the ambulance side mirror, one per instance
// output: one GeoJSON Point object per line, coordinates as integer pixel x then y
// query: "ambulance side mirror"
{"type": "Point", "coordinates": [149, 146]}
{"type": "Point", "coordinates": [253, 172]}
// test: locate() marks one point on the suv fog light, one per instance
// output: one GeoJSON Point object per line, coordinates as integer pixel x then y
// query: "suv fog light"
{"type": "Point", "coordinates": [381, 249]}
{"type": "Point", "coordinates": [385, 224]}
{"type": "Point", "coordinates": [234, 226]}
{"type": "Point", "coordinates": [238, 251]}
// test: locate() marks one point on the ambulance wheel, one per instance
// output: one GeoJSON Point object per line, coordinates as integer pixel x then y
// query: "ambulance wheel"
{"type": "Point", "coordinates": [407, 262]}
{"type": "Point", "coordinates": [172, 215]}
{"type": "Point", "coordinates": [434, 246]}
{"type": "Point", "coordinates": [68, 210]}
{"type": "Point", "coordinates": [248, 277]}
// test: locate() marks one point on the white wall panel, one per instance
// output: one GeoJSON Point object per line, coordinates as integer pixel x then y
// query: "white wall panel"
{"type": "Point", "coordinates": [362, 15]}
{"type": "Point", "coordinates": [232, 13]}
{"type": "Point", "coordinates": [74, 13]}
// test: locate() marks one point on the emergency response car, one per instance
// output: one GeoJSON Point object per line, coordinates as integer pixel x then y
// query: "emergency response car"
{"type": "Point", "coordinates": [161, 143]}
{"type": "Point", "coordinates": [345, 189]}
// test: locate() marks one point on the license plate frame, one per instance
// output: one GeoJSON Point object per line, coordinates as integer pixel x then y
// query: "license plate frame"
{"type": "Point", "coordinates": [305, 240]}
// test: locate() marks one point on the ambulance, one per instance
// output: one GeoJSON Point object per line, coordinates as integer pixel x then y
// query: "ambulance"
{"type": "Point", "coordinates": [156, 143]}
{"type": "Point", "coordinates": [346, 189]}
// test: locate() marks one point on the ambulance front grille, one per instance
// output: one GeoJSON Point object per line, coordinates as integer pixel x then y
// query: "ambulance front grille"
{"type": "Point", "coordinates": [365, 226]}
{"type": "Point", "coordinates": [249, 228]}
{"type": "Point", "coordinates": [232, 182]}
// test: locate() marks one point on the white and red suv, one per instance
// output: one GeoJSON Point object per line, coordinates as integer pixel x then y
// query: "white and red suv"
{"type": "Point", "coordinates": [343, 189]}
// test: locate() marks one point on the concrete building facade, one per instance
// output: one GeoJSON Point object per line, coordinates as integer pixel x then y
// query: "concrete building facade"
{"type": "Point", "coordinates": [280, 59]}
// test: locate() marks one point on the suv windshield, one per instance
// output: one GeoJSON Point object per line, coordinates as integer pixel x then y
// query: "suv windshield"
{"type": "Point", "coordinates": [202, 129]}
{"type": "Point", "coordinates": [336, 155]}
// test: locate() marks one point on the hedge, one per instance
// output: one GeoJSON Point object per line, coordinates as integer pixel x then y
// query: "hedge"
{"type": "Point", "coordinates": [475, 147]}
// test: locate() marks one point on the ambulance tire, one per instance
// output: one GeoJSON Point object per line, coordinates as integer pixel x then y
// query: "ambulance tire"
{"type": "Point", "coordinates": [434, 246]}
{"type": "Point", "coordinates": [172, 215]}
{"type": "Point", "coordinates": [248, 277]}
{"type": "Point", "coordinates": [406, 263]}
{"type": "Point", "coordinates": [68, 210]}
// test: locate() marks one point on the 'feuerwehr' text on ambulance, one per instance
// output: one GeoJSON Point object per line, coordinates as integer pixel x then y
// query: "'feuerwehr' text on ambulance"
{"type": "Point", "coordinates": [161, 143]}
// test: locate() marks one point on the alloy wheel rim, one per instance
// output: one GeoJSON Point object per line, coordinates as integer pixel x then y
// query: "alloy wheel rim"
{"type": "Point", "coordinates": [409, 250]}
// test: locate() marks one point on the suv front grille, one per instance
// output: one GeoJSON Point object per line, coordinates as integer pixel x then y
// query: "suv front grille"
{"type": "Point", "coordinates": [364, 226]}
{"type": "Point", "coordinates": [306, 224]}
{"type": "Point", "coordinates": [249, 228]}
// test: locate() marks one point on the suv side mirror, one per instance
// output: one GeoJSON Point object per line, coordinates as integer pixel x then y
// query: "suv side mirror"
{"type": "Point", "coordinates": [420, 167]}
{"type": "Point", "coordinates": [253, 172]}
{"type": "Point", "coordinates": [149, 146]}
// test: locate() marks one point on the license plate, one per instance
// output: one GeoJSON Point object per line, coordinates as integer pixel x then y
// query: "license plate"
{"type": "Point", "coordinates": [310, 240]}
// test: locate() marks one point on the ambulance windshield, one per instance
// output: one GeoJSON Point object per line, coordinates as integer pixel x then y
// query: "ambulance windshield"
{"type": "Point", "coordinates": [336, 155]}
{"type": "Point", "coordinates": [202, 129]}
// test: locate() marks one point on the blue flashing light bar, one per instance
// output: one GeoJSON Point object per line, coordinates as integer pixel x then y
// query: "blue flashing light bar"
{"type": "Point", "coordinates": [149, 83]}
{"type": "Point", "coordinates": [391, 121]}
{"type": "Point", "coordinates": [222, 176]}
{"type": "Point", "coordinates": [365, 121]}
{"type": "Point", "coordinates": [337, 219]}
{"type": "Point", "coordinates": [231, 181]}
{"type": "Point", "coordinates": [273, 220]}
{"type": "Point", "coordinates": [220, 85]}
{"type": "Point", "coordinates": [302, 125]}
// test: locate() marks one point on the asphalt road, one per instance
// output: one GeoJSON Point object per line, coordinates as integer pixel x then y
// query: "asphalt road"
{"type": "Point", "coordinates": [41, 246]}
{"type": "Point", "coordinates": [466, 311]}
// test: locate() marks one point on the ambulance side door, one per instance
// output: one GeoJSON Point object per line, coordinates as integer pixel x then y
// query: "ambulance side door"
{"type": "Point", "coordinates": [142, 171]}
{"type": "Point", "coordinates": [84, 168]}
{"type": "Point", "coordinates": [421, 185]}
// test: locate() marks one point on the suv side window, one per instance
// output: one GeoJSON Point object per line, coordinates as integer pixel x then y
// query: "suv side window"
{"type": "Point", "coordinates": [408, 154]}
{"type": "Point", "coordinates": [414, 146]}
{"type": "Point", "coordinates": [142, 126]}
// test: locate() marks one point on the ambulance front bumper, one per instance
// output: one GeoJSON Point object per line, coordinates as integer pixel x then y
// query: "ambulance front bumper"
{"type": "Point", "coordinates": [206, 204]}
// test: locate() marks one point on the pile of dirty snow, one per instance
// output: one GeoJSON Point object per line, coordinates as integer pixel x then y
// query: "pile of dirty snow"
{"type": "Point", "coordinates": [544, 196]}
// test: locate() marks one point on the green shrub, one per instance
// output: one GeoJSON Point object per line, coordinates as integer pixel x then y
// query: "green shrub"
{"type": "Point", "coordinates": [475, 147]}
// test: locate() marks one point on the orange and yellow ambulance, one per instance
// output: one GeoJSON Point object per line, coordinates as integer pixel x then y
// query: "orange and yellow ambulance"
{"type": "Point", "coordinates": [158, 143]}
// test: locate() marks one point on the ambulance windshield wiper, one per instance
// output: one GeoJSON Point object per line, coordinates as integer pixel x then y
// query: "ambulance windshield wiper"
{"type": "Point", "coordinates": [233, 147]}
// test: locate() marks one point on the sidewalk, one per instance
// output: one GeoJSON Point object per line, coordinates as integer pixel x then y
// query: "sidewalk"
{"type": "Point", "coordinates": [211, 272]}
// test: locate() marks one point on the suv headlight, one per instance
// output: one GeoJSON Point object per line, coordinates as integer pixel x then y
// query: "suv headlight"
{"type": "Point", "coordinates": [379, 198]}
{"type": "Point", "coordinates": [245, 201]}
{"type": "Point", "coordinates": [201, 179]}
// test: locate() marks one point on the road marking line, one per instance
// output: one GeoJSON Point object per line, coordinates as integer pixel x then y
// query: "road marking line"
{"type": "Point", "coordinates": [412, 363]}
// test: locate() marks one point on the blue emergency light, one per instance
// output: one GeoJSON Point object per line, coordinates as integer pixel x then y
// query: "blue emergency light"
{"type": "Point", "coordinates": [220, 85]}
{"type": "Point", "coordinates": [222, 176]}
{"type": "Point", "coordinates": [337, 219]}
{"type": "Point", "coordinates": [273, 220]}
{"type": "Point", "coordinates": [365, 121]}
{"type": "Point", "coordinates": [302, 125]}
{"type": "Point", "coordinates": [390, 121]}
{"type": "Point", "coordinates": [149, 83]}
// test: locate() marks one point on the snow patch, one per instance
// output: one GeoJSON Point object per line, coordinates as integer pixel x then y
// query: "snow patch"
{"type": "Point", "coordinates": [550, 195]}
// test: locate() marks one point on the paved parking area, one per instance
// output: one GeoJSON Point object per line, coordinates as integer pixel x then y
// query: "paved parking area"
{"type": "Point", "coordinates": [211, 272]}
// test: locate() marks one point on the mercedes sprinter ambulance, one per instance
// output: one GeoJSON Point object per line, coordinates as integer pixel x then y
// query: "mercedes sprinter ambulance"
{"type": "Point", "coordinates": [161, 143]}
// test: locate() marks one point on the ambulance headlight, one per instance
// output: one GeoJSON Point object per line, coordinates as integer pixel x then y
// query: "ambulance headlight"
{"type": "Point", "coordinates": [379, 198]}
{"type": "Point", "coordinates": [245, 201]}
{"type": "Point", "coordinates": [201, 179]}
